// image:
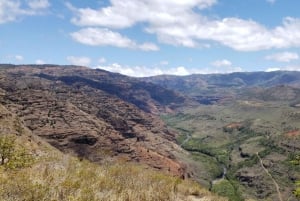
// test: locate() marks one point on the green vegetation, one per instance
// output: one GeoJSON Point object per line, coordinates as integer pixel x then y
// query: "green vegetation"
{"type": "Point", "coordinates": [297, 190]}
{"type": "Point", "coordinates": [218, 153]}
{"type": "Point", "coordinates": [231, 135]}
{"type": "Point", "coordinates": [210, 165]}
{"type": "Point", "coordinates": [296, 162]}
{"type": "Point", "coordinates": [12, 155]}
{"type": "Point", "coordinates": [225, 188]}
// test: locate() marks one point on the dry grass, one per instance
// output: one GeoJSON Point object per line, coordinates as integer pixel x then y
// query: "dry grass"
{"type": "Point", "coordinates": [53, 176]}
{"type": "Point", "coordinates": [64, 178]}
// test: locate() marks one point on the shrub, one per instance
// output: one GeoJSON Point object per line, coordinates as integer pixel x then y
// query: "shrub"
{"type": "Point", "coordinates": [13, 155]}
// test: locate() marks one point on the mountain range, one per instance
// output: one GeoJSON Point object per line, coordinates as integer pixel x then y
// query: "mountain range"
{"type": "Point", "coordinates": [210, 128]}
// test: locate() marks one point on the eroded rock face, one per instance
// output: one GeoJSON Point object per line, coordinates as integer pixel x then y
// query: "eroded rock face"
{"type": "Point", "coordinates": [83, 112]}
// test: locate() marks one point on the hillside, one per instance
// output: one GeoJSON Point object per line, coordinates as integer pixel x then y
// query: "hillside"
{"type": "Point", "coordinates": [238, 140]}
{"type": "Point", "coordinates": [34, 170]}
{"type": "Point", "coordinates": [94, 114]}
{"type": "Point", "coordinates": [245, 132]}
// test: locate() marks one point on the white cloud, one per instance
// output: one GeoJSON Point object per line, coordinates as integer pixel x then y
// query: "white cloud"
{"type": "Point", "coordinates": [164, 63]}
{"type": "Point", "coordinates": [80, 61]}
{"type": "Point", "coordinates": [181, 70]}
{"type": "Point", "coordinates": [106, 37]}
{"type": "Point", "coordinates": [102, 60]}
{"type": "Point", "coordinates": [19, 57]}
{"type": "Point", "coordinates": [220, 63]}
{"type": "Point", "coordinates": [272, 69]}
{"type": "Point", "coordinates": [11, 10]}
{"type": "Point", "coordinates": [292, 68]}
{"type": "Point", "coordinates": [39, 61]}
{"type": "Point", "coordinates": [135, 71]}
{"type": "Point", "coordinates": [101, 37]}
{"type": "Point", "coordinates": [178, 23]}
{"type": "Point", "coordinates": [14, 58]}
{"type": "Point", "coordinates": [217, 70]}
{"type": "Point", "coordinates": [248, 35]}
{"type": "Point", "coordinates": [283, 56]}
{"type": "Point", "coordinates": [125, 14]}
{"type": "Point", "coordinates": [143, 71]}
{"type": "Point", "coordinates": [38, 4]}
{"type": "Point", "coordinates": [148, 47]}
{"type": "Point", "coordinates": [284, 68]}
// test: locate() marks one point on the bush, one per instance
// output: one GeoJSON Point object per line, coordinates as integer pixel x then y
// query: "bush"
{"type": "Point", "coordinates": [13, 155]}
{"type": "Point", "coordinates": [297, 190]}
{"type": "Point", "coordinates": [225, 188]}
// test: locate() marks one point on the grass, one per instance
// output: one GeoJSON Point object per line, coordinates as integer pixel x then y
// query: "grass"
{"type": "Point", "coordinates": [54, 176]}
{"type": "Point", "coordinates": [71, 179]}
{"type": "Point", "coordinates": [33, 170]}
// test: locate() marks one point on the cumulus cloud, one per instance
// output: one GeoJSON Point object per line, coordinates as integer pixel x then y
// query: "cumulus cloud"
{"type": "Point", "coordinates": [134, 71]}
{"type": "Point", "coordinates": [14, 9]}
{"type": "Point", "coordinates": [147, 47]}
{"type": "Point", "coordinates": [248, 35]}
{"type": "Point", "coordinates": [39, 61]}
{"type": "Point", "coordinates": [283, 56]}
{"type": "Point", "coordinates": [284, 68]}
{"type": "Point", "coordinates": [38, 4]}
{"type": "Point", "coordinates": [144, 71]}
{"type": "Point", "coordinates": [164, 63]}
{"type": "Point", "coordinates": [220, 63]}
{"type": "Point", "coordinates": [80, 61]}
{"type": "Point", "coordinates": [125, 14]}
{"type": "Point", "coordinates": [272, 69]}
{"type": "Point", "coordinates": [19, 57]}
{"type": "Point", "coordinates": [179, 23]}
{"type": "Point", "coordinates": [106, 37]}
{"type": "Point", "coordinates": [102, 60]}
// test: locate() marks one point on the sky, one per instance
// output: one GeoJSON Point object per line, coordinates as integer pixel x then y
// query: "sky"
{"type": "Point", "coordinates": [152, 37]}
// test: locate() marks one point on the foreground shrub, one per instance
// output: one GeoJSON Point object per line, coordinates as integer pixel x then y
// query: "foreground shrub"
{"type": "Point", "coordinates": [13, 155]}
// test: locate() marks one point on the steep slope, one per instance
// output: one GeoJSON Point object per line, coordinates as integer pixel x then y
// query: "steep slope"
{"type": "Point", "coordinates": [83, 112]}
{"type": "Point", "coordinates": [146, 96]}
{"type": "Point", "coordinates": [51, 175]}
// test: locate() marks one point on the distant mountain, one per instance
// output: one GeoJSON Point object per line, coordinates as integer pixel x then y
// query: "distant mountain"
{"type": "Point", "coordinates": [245, 133]}
{"type": "Point", "coordinates": [94, 114]}
{"type": "Point", "coordinates": [216, 87]}
{"type": "Point", "coordinates": [239, 79]}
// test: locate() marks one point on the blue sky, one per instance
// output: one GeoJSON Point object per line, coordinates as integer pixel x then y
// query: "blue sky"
{"type": "Point", "coordinates": [151, 37]}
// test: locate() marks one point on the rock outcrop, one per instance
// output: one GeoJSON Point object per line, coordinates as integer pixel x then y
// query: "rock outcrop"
{"type": "Point", "coordinates": [94, 114]}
